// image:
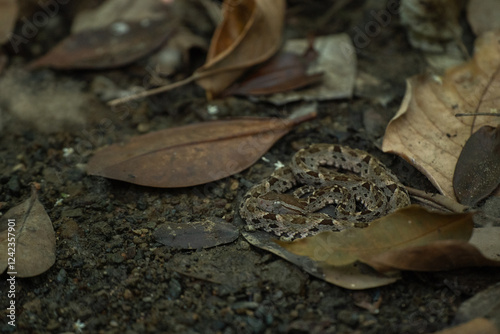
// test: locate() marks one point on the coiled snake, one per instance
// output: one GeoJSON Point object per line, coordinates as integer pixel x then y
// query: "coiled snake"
{"type": "Point", "coordinates": [325, 187]}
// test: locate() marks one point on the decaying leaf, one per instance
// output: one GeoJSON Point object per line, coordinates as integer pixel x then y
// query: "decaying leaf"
{"type": "Point", "coordinates": [425, 131]}
{"type": "Point", "coordinates": [193, 154]}
{"type": "Point", "coordinates": [435, 256]}
{"type": "Point", "coordinates": [196, 235]}
{"type": "Point", "coordinates": [112, 46]}
{"type": "Point", "coordinates": [483, 15]}
{"type": "Point", "coordinates": [8, 17]}
{"type": "Point", "coordinates": [354, 276]}
{"type": "Point", "coordinates": [408, 227]}
{"type": "Point", "coordinates": [477, 173]}
{"type": "Point", "coordinates": [285, 71]}
{"type": "Point", "coordinates": [35, 241]}
{"type": "Point", "coordinates": [249, 35]}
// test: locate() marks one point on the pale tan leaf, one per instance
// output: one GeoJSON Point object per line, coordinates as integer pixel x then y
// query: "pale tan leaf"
{"type": "Point", "coordinates": [425, 131]}
{"type": "Point", "coordinates": [35, 241]}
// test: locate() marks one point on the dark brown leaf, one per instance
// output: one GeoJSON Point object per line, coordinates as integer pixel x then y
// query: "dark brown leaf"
{"type": "Point", "coordinates": [196, 235]}
{"type": "Point", "coordinates": [477, 173]}
{"type": "Point", "coordinates": [284, 72]}
{"type": "Point", "coordinates": [35, 241]}
{"type": "Point", "coordinates": [193, 154]}
{"type": "Point", "coordinates": [106, 47]}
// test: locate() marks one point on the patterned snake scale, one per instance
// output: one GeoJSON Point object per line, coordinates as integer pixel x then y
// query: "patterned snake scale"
{"type": "Point", "coordinates": [326, 187]}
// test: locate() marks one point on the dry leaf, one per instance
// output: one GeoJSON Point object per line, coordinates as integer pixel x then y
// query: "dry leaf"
{"type": "Point", "coordinates": [407, 227]}
{"type": "Point", "coordinates": [284, 72]}
{"type": "Point", "coordinates": [336, 60]}
{"type": "Point", "coordinates": [8, 17]}
{"type": "Point", "coordinates": [477, 172]}
{"type": "Point", "coordinates": [436, 256]}
{"type": "Point", "coordinates": [354, 276]}
{"type": "Point", "coordinates": [425, 131]}
{"type": "Point", "coordinates": [196, 235]}
{"type": "Point", "coordinates": [483, 15]}
{"type": "Point", "coordinates": [112, 46]}
{"type": "Point", "coordinates": [475, 326]}
{"type": "Point", "coordinates": [249, 35]}
{"type": "Point", "coordinates": [35, 241]}
{"type": "Point", "coordinates": [191, 155]}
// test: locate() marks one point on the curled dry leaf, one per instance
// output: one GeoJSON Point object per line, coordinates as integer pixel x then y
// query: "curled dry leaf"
{"type": "Point", "coordinates": [407, 227]}
{"type": "Point", "coordinates": [191, 155]}
{"type": "Point", "coordinates": [249, 35]}
{"type": "Point", "coordinates": [35, 241]}
{"type": "Point", "coordinates": [425, 131]}
{"type": "Point", "coordinates": [477, 173]}
{"type": "Point", "coordinates": [111, 46]}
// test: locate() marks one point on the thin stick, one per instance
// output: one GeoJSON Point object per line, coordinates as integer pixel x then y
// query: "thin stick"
{"type": "Point", "coordinates": [437, 200]}
{"type": "Point", "coordinates": [153, 91]}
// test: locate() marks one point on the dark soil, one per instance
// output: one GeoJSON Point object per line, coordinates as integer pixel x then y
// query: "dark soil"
{"type": "Point", "coordinates": [113, 276]}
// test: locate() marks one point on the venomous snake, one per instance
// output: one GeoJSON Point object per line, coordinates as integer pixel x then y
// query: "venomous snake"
{"type": "Point", "coordinates": [326, 187]}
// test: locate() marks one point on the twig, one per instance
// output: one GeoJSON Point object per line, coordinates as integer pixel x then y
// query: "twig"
{"type": "Point", "coordinates": [153, 91]}
{"type": "Point", "coordinates": [437, 200]}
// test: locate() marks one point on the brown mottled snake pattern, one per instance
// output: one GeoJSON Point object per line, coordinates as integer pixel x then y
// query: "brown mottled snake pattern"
{"type": "Point", "coordinates": [326, 187]}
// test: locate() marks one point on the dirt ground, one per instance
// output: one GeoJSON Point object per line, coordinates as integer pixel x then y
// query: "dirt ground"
{"type": "Point", "coordinates": [112, 276]}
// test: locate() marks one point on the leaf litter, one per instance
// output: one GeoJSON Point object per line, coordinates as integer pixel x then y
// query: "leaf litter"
{"type": "Point", "coordinates": [425, 130]}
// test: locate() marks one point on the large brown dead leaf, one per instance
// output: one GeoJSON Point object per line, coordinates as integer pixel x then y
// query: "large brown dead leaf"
{"type": "Point", "coordinates": [193, 154]}
{"type": "Point", "coordinates": [35, 241]}
{"type": "Point", "coordinates": [477, 173]}
{"type": "Point", "coordinates": [408, 227]}
{"type": "Point", "coordinates": [425, 131]}
{"type": "Point", "coordinates": [249, 35]}
{"type": "Point", "coordinates": [8, 16]}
